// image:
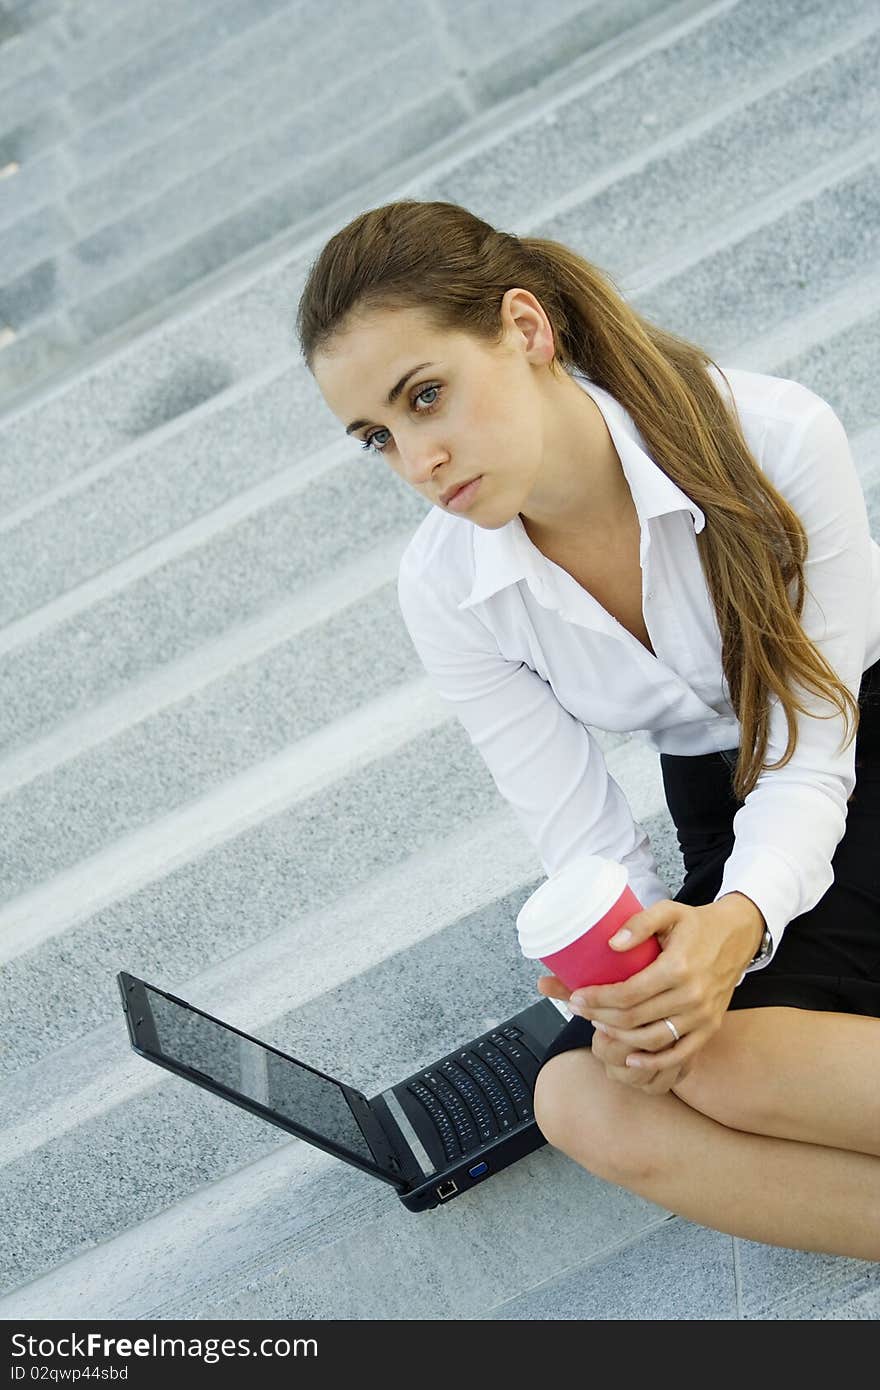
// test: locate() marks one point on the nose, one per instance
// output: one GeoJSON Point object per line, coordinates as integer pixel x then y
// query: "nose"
{"type": "Point", "coordinates": [419, 455]}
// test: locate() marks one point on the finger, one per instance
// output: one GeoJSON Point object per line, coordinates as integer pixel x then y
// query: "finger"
{"type": "Point", "coordinates": [666, 1003]}
{"type": "Point", "coordinates": [661, 1084]}
{"type": "Point", "coordinates": [642, 925]}
{"type": "Point", "coordinates": [652, 1037]}
{"type": "Point", "coordinates": [654, 1084]}
{"type": "Point", "coordinates": [637, 1080]}
{"type": "Point", "coordinates": [659, 980]}
{"type": "Point", "coordinates": [664, 1061]}
{"type": "Point", "coordinates": [609, 1053]}
{"type": "Point", "coordinates": [613, 1057]}
{"type": "Point", "coordinates": [553, 987]}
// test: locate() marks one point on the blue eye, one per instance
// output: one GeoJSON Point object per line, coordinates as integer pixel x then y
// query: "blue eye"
{"type": "Point", "coordinates": [422, 391]}
{"type": "Point", "coordinates": [368, 442]}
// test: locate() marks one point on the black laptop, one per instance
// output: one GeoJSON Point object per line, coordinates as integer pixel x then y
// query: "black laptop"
{"type": "Point", "coordinates": [433, 1136]}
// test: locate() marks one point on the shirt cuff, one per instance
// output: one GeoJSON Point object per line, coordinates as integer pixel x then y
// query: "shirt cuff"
{"type": "Point", "coordinates": [647, 887]}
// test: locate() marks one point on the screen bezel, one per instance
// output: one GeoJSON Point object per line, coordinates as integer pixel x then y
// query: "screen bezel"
{"type": "Point", "coordinates": [144, 1041]}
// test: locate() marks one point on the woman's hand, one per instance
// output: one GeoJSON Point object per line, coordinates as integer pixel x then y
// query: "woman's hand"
{"type": "Point", "coordinates": [704, 952]}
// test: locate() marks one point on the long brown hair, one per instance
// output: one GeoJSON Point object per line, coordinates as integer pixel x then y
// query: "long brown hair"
{"type": "Point", "coordinates": [444, 260]}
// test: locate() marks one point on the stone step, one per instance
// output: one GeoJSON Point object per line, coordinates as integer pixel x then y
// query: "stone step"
{"type": "Point", "coordinates": [166, 741]}
{"type": "Point", "coordinates": [274, 68]}
{"type": "Point", "coordinates": [200, 784]}
{"type": "Point", "coordinates": [641, 65]}
{"type": "Point", "coordinates": [317, 977]}
{"type": "Point", "coordinates": [25, 51]}
{"type": "Point", "coordinates": [295, 1234]}
{"type": "Point", "coordinates": [102, 40]}
{"type": "Point", "coordinates": [46, 114]}
{"type": "Point", "coordinates": [32, 188]}
{"type": "Point", "coordinates": [195, 188]}
{"type": "Point", "coordinates": [30, 89]}
{"type": "Point", "coordinates": [171, 53]}
{"type": "Point", "coordinates": [288, 40]}
{"type": "Point", "coordinates": [35, 116]}
{"type": "Point", "coordinates": [38, 350]}
{"type": "Point", "coordinates": [618, 211]}
{"type": "Point", "coordinates": [169, 599]}
{"type": "Point", "coordinates": [44, 293]}
{"type": "Point", "coordinates": [20, 16]}
{"type": "Point", "coordinates": [237, 92]}
{"type": "Point", "coordinates": [264, 825]}
{"type": "Point", "coordinates": [34, 236]}
{"type": "Point", "coordinates": [70, 250]}
{"type": "Point", "coordinates": [264, 133]}
{"type": "Point", "coordinates": [284, 46]}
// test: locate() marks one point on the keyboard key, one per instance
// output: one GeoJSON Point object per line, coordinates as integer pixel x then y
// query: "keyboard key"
{"type": "Point", "coordinates": [499, 1099]}
{"type": "Point", "coordinates": [440, 1118]}
{"type": "Point", "coordinates": [523, 1060]}
{"type": "Point", "coordinates": [487, 1125]}
{"type": "Point", "coordinates": [461, 1116]}
{"type": "Point", "coordinates": [520, 1092]}
{"type": "Point", "coordinates": [514, 1036]}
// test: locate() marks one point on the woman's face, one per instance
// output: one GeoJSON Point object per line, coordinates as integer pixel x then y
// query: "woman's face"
{"type": "Point", "coordinates": [462, 408]}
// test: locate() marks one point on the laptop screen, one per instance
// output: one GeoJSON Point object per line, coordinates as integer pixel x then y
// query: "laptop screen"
{"type": "Point", "coordinates": [245, 1066]}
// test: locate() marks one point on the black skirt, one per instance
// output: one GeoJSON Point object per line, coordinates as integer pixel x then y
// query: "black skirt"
{"type": "Point", "coordinates": [829, 957]}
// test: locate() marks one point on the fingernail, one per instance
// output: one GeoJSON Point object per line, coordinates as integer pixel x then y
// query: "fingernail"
{"type": "Point", "coordinates": [634, 1062]}
{"type": "Point", "coordinates": [620, 938]}
{"type": "Point", "coordinates": [601, 1026]}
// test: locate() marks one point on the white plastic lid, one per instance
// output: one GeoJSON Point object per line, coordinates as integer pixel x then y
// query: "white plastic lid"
{"type": "Point", "coordinates": [568, 903]}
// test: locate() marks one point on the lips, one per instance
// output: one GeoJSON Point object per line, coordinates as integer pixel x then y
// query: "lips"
{"type": "Point", "coordinates": [447, 496]}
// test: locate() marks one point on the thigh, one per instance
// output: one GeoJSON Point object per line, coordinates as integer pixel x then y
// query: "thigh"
{"type": "Point", "coordinates": [792, 1073]}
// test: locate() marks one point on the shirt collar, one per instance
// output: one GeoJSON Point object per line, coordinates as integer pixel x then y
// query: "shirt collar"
{"type": "Point", "coordinates": [507, 555]}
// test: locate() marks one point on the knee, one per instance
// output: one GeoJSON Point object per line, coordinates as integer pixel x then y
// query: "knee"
{"type": "Point", "coordinates": [592, 1119]}
{"type": "Point", "coordinates": [720, 1085]}
{"type": "Point", "coordinates": [701, 1092]}
{"type": "Point", "coordinates": [556, 1090]}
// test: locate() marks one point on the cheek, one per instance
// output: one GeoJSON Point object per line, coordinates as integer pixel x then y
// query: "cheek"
{"type": "Point", "coordinates": [497, 428]}
{"type": "Point", "coordinates": [395, 468]}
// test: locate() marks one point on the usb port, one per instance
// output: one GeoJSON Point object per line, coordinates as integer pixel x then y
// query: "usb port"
{"type": "Point", "coordinates": [447, 1189]}
{"type": "Point", "coordinates": [478, 1170]}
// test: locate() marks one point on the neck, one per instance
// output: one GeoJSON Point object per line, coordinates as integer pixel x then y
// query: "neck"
{"type": "Point", "coordinates": [581, 493]}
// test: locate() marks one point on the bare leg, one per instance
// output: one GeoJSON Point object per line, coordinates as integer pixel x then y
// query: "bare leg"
{"type": "Point", "coordinates": [794, 1074]}
{"type": "Point", "coordinates": [778, 1191]}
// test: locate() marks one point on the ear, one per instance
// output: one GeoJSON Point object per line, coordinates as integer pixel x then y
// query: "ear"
{"type": "Point", "coordinates": [523, 314]}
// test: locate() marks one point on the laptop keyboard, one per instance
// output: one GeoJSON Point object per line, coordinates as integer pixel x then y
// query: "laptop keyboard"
{"type": "Point", "coordinates": [480, 1092]}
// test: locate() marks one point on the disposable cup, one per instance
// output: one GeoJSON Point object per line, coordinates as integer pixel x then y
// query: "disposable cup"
{"type": "Point", "coordinates": [567, 922]}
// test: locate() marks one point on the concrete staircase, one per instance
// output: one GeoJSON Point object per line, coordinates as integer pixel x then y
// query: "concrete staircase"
{"type": "Point", "coordinates": [206, 777]}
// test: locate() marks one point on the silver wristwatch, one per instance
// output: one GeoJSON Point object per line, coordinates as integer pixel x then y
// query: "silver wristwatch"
{"type": "Point", "coordinates": [764, 949]}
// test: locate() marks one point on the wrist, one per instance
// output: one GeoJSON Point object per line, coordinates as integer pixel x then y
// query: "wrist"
{"type": "Point", "coordinates": [750, 924]}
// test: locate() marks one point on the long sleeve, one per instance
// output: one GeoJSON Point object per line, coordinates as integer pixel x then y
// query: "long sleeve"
{"type": "Point", "coordinates": [544, 762]}
{"type": "Point", "coordinates": [792, 821]}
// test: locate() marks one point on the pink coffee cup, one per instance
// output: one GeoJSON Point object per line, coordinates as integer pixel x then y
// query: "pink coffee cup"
{"type": "Point", "coordinates": [568, 920]}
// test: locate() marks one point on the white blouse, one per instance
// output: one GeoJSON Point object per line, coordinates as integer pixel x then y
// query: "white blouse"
{"type": "Point", "coordinates": [527, 658]}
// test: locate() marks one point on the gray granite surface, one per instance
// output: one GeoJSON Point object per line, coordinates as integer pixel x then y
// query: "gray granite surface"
{"type": "Point", "coordinates": [206, 776]}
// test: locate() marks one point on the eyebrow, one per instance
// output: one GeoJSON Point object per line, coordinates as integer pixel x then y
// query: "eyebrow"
{"type": "Point", "coordinates": [392, 394]}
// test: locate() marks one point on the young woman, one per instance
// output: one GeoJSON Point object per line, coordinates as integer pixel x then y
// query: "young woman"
{"type": "Point", "coordinates": [624, 537]}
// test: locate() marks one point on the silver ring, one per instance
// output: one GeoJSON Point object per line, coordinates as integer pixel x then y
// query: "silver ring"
{"type": "Point", "coordinates": [672, 1028]}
